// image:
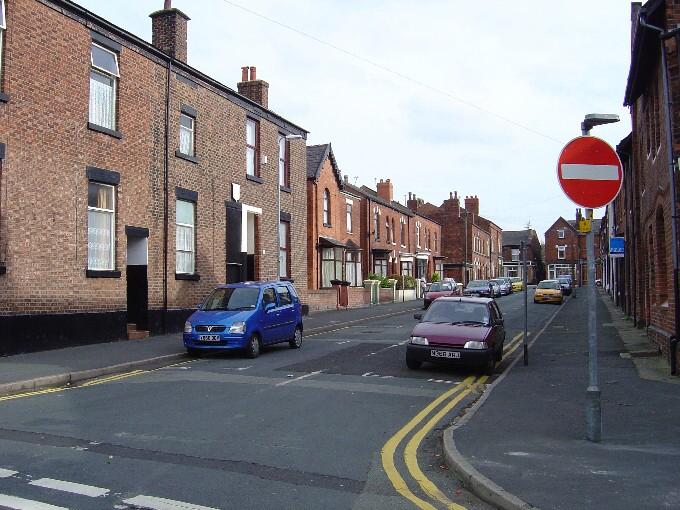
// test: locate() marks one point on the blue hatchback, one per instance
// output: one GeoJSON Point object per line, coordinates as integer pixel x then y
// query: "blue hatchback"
{"type": "Point", "coordinates": [246, 316]}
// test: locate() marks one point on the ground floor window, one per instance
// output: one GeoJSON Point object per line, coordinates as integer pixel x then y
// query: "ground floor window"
{"type": "Point", "coordinates": [439, 269]}
{"type": "Point", "coordinates": [380, 266]}
{"type": "Point", "coordinates": [407, 268]}
{"type": "Point", "coordinates": [421, 268]}
{"type": "Point", "coordinates": [331, 265]}
{"type": "Point", "coordinates": [555, 270]}
{"type": "Point", "coordinates": [511, 271]}
{"type": "Point", "coordinates": [353, 268]}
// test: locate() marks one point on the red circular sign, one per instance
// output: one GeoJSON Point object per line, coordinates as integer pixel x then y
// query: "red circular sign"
{"type": "Point", "coordinates": [590, 172]}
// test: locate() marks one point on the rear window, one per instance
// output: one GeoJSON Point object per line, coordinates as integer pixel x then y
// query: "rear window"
{"type": "Point", "coordinates": [479, 283]}
{"type": "Point", "coordinates": [549, 285]}
{"type": "Point", "coordinates": [457, 312]}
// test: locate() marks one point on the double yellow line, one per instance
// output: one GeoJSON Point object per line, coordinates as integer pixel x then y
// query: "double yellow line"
{"type": "Point", "coordinates": [447, 400]}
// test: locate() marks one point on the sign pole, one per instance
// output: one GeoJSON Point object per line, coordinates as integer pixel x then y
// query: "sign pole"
{"type": "Point", "coordinates": [594, 404]}
{"type": "Point", "coordinates": [526, 306]}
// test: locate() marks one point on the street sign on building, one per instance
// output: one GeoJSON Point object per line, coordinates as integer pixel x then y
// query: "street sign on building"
{"type": "Point", "coordinates": [589, 172]}
{"type": "Point", "coordinates": [616, 247]}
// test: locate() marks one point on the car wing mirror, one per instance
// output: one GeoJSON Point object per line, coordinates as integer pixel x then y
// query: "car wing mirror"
{"type": "Point", "coordinates": [269, 306]}
{"type": "Point", "coordinates": [199, 306]}
{"type": "Point", "coordinates": [418, 316]}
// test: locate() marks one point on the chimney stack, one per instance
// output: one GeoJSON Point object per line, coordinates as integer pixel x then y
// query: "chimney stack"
{"type": "Point", "coordinates": [252, 88]}
{"type": "Point", "coordinates": [385, 190]}
{"type": "Point", "coordinates": [472, 205]}
{"type": "Point", "coordinates": [412, 202]}
{"type": "Point", "coordinates": [169, 31]}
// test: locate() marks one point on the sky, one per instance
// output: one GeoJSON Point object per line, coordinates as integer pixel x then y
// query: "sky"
{"type": "Point", "coordinates": [437, 95]}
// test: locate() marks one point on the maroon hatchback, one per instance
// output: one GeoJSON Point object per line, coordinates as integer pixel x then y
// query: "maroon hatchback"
{"type": "Point", "coordinates": [463, 331]}
{"type": "Point", "coordinates": [437, 290]}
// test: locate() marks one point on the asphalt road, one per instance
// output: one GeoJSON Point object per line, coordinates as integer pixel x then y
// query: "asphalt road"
{"type": "Point", "coordinates": [336, 424]}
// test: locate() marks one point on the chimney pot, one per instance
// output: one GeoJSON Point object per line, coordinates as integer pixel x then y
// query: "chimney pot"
{"type": "Point", "coordinates": [253, 73]}
{"type": "Point", "coordinates": [346, 178]}
{"type": "Point", "coordinates": [252, 88]}
{"type": "Point", "coordinates": [167, 5]}
{"type": "Point", "coordinates": [450, 195]}
{"type": "Point", "coordinates": [244, 73]}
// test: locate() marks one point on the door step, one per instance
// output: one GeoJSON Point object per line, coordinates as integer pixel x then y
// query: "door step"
{"type": "Point", "coordinates": [136, 334]}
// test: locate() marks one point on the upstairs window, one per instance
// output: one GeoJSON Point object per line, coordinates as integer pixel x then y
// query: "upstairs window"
{"type": "Point", "coordinates": [388, 238]}
{"type": "Point", "coordinates": [376, 224]}
{"type": "Point", "coordinates": [326, 208]}
{"type": "Point", "coordinates": [435, 241]}
{"type": "Point", "coordinates": [3, 27]}
{"type": "Point", "coordinates": [252, 147]}
{"type": "Point", "coordinates": [417, 235]}
{"type": "Point", "coordinates": [403, 232]}
{"type": "Point", "coordinates": [393, 231]}
{"type": "Point", "coordinates": [185, 262]}
{"type": "Point", "coordinates": [284, 162]}
{"type": "Point", "coordinates": [104, 75]}
{"type": "Point", "coordinates": [561, 252]}
{"type": "Point", "coordinates": [101, 227]}
{"type": "Point", "coordinates": [186, 134]}
{"type": "Point", "coordinates": [515, 255]}
{"type": "Point", "coordinates": [349, 217]}
{"type": "Point", "coordinates": [560, 233]}
{"type": "Point", "coordinates": [284, 249]}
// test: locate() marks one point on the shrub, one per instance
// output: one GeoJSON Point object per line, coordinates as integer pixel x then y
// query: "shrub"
{"type": "Point", "coordinates": [435, 277]}
{"type": "Point", "coordinates": [409, 281]}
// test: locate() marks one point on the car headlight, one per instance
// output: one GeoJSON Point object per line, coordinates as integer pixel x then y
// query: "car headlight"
{"type": "Point", "coordinates": [187, 327]}
{"type": "Point", "coordinates": [238, 327]}
{"type": "Point", "coordinates": [419, 340]}
{"type": "Point", "coordinates": [473, 344]}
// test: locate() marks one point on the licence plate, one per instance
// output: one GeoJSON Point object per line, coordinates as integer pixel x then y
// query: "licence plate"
{"type": "Point", "coordinates": [209, 338]}
{"type": "Point", "coordinates": [444, 354]}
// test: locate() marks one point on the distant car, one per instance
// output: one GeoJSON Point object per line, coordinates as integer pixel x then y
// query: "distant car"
{"type": "Point", "coordinates": [460, 331]}
{"type": "Point", "coordinates": [437, 290]}
{"type": "Point", "coordinates": [508, 280]}
{"type": "Point", "coordinates": [479, 288]}
{"type": "Point", "coordinates": [549, 291]}
{"type": "Point", "coordinates": [506, 288]}
{"type": "Point", "coordinates": [565, 283]}
{"type": "Point", "coordinates": [517, 284]}
{"type": "Point", "coordinates": [246, 316]}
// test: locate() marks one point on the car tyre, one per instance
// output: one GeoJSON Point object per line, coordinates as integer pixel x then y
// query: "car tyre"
{"type": "Point", "coordinates": [194, 353]}
{"type": "Point", "coordinates": [296, 341]}
{"type": "Point", "coordinates": [413, 364]}
{"type": "Point", "coordinates": [254, 346]}
{"type": "Point", "coordinates": [499, 354]}
{"type": "Point", "coordinates": [491, 365]}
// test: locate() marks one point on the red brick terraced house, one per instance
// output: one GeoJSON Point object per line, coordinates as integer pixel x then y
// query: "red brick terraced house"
{"type": "Point", "coordinates": [131, 183]}
{"type": "Point", "coordinates": [471, 244]}
{"type": "Point", "coordinates": [565, 250]}
{"type": "Point", "coordinates": [512, 259]}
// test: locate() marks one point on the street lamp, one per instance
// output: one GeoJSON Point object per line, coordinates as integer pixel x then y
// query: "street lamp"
{"type": "Point", "coordinates": [285, 138]}
{"type": "Point", "coordinates": [593, 404]}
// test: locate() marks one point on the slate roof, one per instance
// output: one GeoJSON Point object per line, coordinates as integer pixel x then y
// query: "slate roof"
{"type": "Point", "coordinates": [316, 155]}
{"type": "Point", "coordinates": [514, 237]}
{"type": "Point", "coordinates": [373, 195]}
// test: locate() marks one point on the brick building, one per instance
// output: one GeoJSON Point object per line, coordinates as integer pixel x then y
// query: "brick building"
{"type": "Point", "coordinates": [132, 184]}
{"type": "Point", "coordinates": [512, 257]}
{"type": "Point", "coordinates": [471, 244]}
{"type": "Point", "coordinates": [650, 190]}
{"type": "Point", "coordinates": [565, 250]}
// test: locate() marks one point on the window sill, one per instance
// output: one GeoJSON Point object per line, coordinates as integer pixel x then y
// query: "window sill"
{"type": "Point", "coordinates": [286, 189]}
{"type": "Point", "coordinates": [187, 276]}
{"type": "Point", "coordinates": [4, 98]}
{"type": "Point", "coordinates": [186, 157]}
{"type": "Point", "coordinates": [254, 178]}
{"type": "Point", "coordinates": [326, 224]}
{"type": "Point", "coordinates": [106, 131]}
{"type": "Point", "coordinates": [96, 273]}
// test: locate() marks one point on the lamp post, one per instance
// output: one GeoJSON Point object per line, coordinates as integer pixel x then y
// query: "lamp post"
{"type": "Point", "coordinates": [284, 139]}
{"type": "Point", "coordinates": [593, 400]}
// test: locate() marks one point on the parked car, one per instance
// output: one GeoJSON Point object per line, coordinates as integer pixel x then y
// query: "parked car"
{"type": "Point", "coordinates": [482, 288]}
{"type": "Point", "coordinates": [508, 280]}
{"type": "Point", "coordinates": [246, 316]}
{"type": "Point", "coordinates": [548, 291]}
{"type": "Point", "coordinates": [460, 331]}
{"type": "Point", "coordinates": [517, 284]}
{"type": "Point", "coordinates": [437, 290]}
{"type": "Point", "coordinates": [565, 283]}
{"type": "Point", "coordinates": [505, 287]}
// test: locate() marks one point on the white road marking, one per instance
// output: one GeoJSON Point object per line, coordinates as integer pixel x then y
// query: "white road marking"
{"type": "Point", "coordinates": [239, 369]}
{"type": "Point", "coordinates": [74, 488]}
{"type": "Point", "coordinates": [153, 503]}
{"type": "Point", "coordinates": [6, 473]}
{"type": "Point", "coordinates": [590, 172]}
{"type": "Point", "coordinates": [25, 504]}
{"type": "Point", "coordinates": [299, 378]}
{"type": "Point", "coordinates": [345, 342]}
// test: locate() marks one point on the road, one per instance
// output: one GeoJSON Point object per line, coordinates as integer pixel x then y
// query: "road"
{"type": "Point", "coordinates": [337, 424]}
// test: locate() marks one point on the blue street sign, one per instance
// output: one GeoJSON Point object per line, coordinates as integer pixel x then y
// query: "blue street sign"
{"type": "Point", "coordinates": [616, 246]}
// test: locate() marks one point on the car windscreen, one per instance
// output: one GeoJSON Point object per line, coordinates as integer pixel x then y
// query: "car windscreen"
{"type": "Point", "coordinates": [232, 299]}
{"type": "Point", "coordinates": [499, 282]}
{"type": "Point", "coordinates": [435, 287]}
{"type": "Point", "coordinates": [564, 281]}
{"type": "Point", "coordinates": [457, 312]}
{"type": "Point", "coordinates": [479, 283]}
{"type": "Point", "coordinates": [549, 285]}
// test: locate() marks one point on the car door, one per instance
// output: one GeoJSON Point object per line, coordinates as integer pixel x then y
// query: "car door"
{"type": "Point", "coordinates": [270, 316]}
{"type": "Point", "coordinates": [499, 326]}
{"type": "Point", "coordinates": [287, 312]}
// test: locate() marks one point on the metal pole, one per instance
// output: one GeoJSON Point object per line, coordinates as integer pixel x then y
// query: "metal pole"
{"type": "Point", "coordinates": [526, 305]}
{"type": "Point", "coordinates": [594, 405]}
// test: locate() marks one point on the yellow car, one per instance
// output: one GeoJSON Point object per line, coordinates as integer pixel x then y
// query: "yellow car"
{"type": "Point", "coordinates": [517, 284]}
{"type": "Point", "coordinates": [549, 291]}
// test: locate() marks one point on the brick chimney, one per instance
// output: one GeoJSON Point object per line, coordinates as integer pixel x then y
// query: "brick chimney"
{"type": "Point", "coordinates": [385, 190]}
{"type": "Point", "coordinates": [412, 202]}
{"type": "Point", "coordinates": [254, 89]}
{"type": "Point", "coordinates": [472, 205]}
{"type": "Point", "coordinates": [169, 31]}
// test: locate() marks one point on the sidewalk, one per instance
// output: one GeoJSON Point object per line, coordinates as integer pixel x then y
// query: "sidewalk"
{"type": "Point", "coordinates": [528, 436]}
{"type": "Point", "coordinates": [65, 366]}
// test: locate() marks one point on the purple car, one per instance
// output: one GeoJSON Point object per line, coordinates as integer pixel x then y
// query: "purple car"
{"type": "Point", "coordinates": [461, 331]}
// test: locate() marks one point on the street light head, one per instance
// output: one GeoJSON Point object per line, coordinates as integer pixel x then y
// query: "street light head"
{"type": "Point", "coordinates": [597, 119]}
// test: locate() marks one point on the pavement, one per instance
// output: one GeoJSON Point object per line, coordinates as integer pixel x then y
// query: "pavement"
{"type": "Point", "coordinates": [58, 367]}
{"type": "Point", "coordinates": [522, 445]}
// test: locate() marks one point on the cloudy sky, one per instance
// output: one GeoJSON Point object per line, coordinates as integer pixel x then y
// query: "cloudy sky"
{"type": "Point", "coordinates": [438, 95]}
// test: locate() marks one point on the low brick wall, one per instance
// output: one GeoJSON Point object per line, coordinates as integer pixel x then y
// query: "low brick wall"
{"type": "Point", "coordinates": [326, 299]}
{"type": "Point", "coordinates": [386, 295]}
{"type": "Point", "coordinates": [358, 297]}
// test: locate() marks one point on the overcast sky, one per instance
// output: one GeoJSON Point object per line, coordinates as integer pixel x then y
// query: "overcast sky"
{"type": "Point", "coordinates": [503, 85]}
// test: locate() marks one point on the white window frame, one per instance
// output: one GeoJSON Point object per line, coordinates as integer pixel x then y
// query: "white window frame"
{"type": "Point", "coordinates": [514, 254]}
{"type": "Point", "coordinates": [560, 233]}
{"type": "Point", "coordinates": [417, 234]}
{"type": "Point", "coordinates": [326, 207]}
{"type": "Point", "coordinates": [112, 213]}
{"type": "Point", "coordinates": [252, 164]}
{"type": "Point", "coordinates": [349, 206]}
{"type": "Point", "coordinates": [192, 134]}
{"type": "Point", "coordinates": [193, 237]}
{"type": "Point", "coordinates": [114, 77]}
{"type": "Point", "coordinates": [284, 249]}
{"type": "Point", "coordinates": [562, 250]}
{"type": "Point", "coordinates": [3, 28]}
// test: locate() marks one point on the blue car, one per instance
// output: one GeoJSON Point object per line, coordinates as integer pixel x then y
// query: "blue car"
{"type": "Point", "coordinates": [246, 316]}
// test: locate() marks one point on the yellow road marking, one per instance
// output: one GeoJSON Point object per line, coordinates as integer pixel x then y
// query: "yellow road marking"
{"type": "Point", "coordinates": [391, 445]}
{"type": "Point", "coordinates": [32, 393]}
{"type": "Point", "coordinates": [411, 450]}
{"type": "Point", "coordinates": [111, 378]}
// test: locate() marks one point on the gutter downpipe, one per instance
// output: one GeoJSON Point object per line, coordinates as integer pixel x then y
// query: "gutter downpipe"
{"type": "Point", "coordinates": [663, 35]}
{"type": "Point", "coordinates": [166, 163]}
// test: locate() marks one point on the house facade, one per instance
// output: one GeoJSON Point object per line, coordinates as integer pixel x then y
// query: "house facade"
{"type": "Point", "coordinates": [512, 255]}
{"type": "Point", "coordinates": [565, 250]}
{"type": "Point", "coordinates": [156, 182]}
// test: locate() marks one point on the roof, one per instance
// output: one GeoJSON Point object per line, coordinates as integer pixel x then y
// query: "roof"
{"type": "Point", "coordinates": [316, 155]}
{"type": "Point", "coordinates": [571, 224]}
{"type": "Point", "coordinates": [373, 195]}
{"type": "Point", "coordinates": [99, 24]}
{"type": "Point", "coordinates": [515, 237]}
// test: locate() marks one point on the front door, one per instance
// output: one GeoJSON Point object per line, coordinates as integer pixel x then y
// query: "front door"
{"type": "Point", "coordinates": [137, 283]}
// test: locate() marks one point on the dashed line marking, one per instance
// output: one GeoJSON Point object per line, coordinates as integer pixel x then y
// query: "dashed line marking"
{"type": "Point", "coordinates": [283, 383]}
{"type": "Point", "coordinates": [153, 503]}
{"type": "Point", "coordinates": [74, 488]}
{"type": "Point", "coordinates": [7, 473]}
{"type": "Point", "coordinates": [15, 503]}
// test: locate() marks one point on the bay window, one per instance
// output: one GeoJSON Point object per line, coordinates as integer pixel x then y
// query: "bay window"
{"type": "Point", "coordinates": [353, 268]}
{"type": "Point", "coordinates": [101, 227]}
{"type": "Point", "coordinates": [407, 268]}
{"type": "Point", "coordinates": [380, 266]}
{"type": "Point", "coordinates": [185, 243]}
{"type": "Point", "coordinates": [331, 265]}
{"type": "Point", "coordinates": [104, 74]}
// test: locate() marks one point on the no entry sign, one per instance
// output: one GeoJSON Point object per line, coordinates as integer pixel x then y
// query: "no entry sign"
{"type": "Point", "coordinates": [589, 172]}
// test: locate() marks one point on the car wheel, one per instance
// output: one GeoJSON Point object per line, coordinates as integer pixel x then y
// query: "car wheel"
{"type": "Point", "coordinates": [491, 365]}
{"type": "Point", "coordinates": [253, 348]}
{"type": "Point", "coordinates": [194, 353]}
{"type": "Point", "coordinates": [296, 342]}
{"type": "Point", "coordinates": [499, 354]}
{"type": "Point", "coordinates": [413, 364]}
